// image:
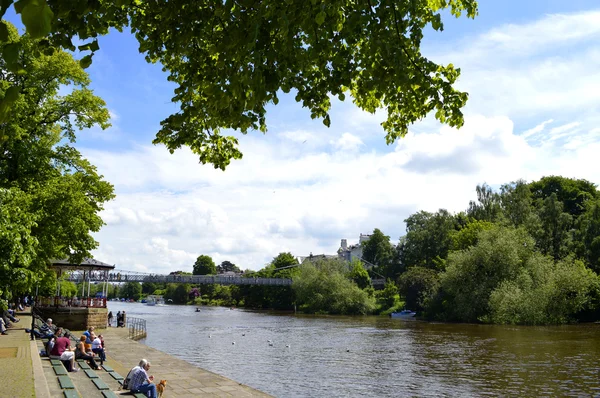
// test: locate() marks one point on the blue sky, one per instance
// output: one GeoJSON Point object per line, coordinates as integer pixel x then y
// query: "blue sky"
{"type": "Point", "coordinates": [533, 73]}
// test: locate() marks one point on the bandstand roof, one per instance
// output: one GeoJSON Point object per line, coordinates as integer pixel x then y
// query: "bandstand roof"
{"type": "Point", "coordinates": [88, 264]}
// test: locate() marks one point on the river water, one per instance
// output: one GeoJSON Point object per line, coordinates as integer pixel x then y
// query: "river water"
{"type": "Point", "coordinates": [326, 356]}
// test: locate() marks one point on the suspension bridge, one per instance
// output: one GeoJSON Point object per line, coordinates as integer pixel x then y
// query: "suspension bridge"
{"type": "Point", "coordinates": [120, 276]}
{"type": "Point", "coordinates": [117, 276]}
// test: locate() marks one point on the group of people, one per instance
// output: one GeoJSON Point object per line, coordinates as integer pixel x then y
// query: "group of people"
{"type": "Point", "coordinates": [120, 319]}
{"type": "Point", "coordinates": [8, 318]}
{"type": "Point", "coordinates": [90, 346]}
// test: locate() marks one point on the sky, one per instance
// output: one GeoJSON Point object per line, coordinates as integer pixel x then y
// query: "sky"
{"type": "Point", "coordinates": [532, 71]}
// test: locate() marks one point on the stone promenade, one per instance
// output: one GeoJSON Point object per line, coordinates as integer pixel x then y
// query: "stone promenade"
{"type": "Point", "coordinates": [23, 373]}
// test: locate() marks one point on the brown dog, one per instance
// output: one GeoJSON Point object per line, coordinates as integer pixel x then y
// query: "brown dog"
{"type": "Point", "coordinates": [160, 387]}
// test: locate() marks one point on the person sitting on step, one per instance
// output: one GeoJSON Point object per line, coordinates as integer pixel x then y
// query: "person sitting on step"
{"type": "Point", "coordinates": [81, 353]}
{"type": "Point", "coordinates": [97, 348]}
{"type": "Point", "coordinates": [62, 349]}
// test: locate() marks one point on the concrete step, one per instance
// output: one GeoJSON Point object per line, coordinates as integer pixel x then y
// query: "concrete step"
{"type": "Point", "coordinates": [84, 385]}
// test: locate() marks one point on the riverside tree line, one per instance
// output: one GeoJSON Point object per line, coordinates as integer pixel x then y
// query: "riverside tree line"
{"type": "Point", "coordinates": [527, 253]}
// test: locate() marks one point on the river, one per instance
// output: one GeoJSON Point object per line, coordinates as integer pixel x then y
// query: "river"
{"type": "Point", "coordinates": [326, 356]}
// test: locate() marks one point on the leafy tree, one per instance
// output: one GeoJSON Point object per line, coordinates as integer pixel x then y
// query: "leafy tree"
{"type": "Point", "coordinates": [227, 266]}
{"type": "Point", "coordinates": [467, 236]}
{"type": "Point", "coordinates": [572, 193]}
{"type": "Point", "coordinates": [378, 250]}
{"type": "Point", "coordinates": [359, 274]}
{"type": "Point", "coordinates": [324, 288]}
{"type": "Point", "coordinates": [487, 207]}
{"type": "Point", "coordinates": [544, 293]}
{"type": "Point", "coordinates": [50, 195]}
{"type": "Point", "coordinates": [150, 287]}
{"type": "Point", "coordinates": [428, 239]}
{"type": "Point", "coordinates": [472, 274]}
{"type": "Point", "coordinates": [204, 265]}
{"type": "Point", "coordinates": [552, 228]}
{"type": "Point", "coordinates": [230, 59]}
{"type": "Point", "coordinates": [131, 290]}
{"type": "Point", "coordinates": [416, 285]}
{"type": "Point", "coordinates": [516, 200]}
{"type": "Point", "coordinates": [284, 260]}
{"type": "Point", "coordinates": [388, 297]}
{"type": "Point", "coordinates": [588, 235]}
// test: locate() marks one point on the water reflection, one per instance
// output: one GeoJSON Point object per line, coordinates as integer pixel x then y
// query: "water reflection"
{"type": "Point", "coordinates": [317, 356]}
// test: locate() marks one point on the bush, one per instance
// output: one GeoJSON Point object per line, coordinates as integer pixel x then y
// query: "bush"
{"type": "Point", "coordinates": [324, 288]}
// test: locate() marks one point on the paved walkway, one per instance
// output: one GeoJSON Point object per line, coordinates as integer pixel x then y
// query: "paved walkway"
{"type": "Point", "coordinates": [183, 378]}
{"type": "Point", "coordinates": [23, 373]}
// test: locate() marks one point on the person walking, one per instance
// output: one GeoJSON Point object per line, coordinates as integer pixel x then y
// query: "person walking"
{"type": "Point", "coordinates": [110, 318]}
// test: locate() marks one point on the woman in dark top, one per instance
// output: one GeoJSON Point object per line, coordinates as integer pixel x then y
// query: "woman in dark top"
{"type": "Point", "coordinates": [80, 353]}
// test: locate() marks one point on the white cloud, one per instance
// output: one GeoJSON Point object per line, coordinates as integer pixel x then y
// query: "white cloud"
{"type": "Point", "coordinates": [292, 192]}
{"type": "Point", "coordinates": [347, 142]}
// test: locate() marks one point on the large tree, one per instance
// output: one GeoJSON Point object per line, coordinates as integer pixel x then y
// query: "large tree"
{"type": "Point", "coordinates": [50, 196]}
{"type": "Point", "coordinates": [232, 58]}
{"type": "Point", "coordinates": [428, 239]}
{"type": "Point", "coordinates": [204, 265]}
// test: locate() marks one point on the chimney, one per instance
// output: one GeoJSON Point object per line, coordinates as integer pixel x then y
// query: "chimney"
{"type": "Point", "coordinates": [344, 244]}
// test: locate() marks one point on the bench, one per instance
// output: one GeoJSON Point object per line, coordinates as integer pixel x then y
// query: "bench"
{"type": "Point", "coordinates": [100, 384]}
{"type": "Point", "coordinates": [71, 394]}
{"type": "Point", "coordinates": [65, 383]}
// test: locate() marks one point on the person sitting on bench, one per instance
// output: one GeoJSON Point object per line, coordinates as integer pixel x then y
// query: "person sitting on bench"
{"type": "Point", "coordinates": [62, 349]}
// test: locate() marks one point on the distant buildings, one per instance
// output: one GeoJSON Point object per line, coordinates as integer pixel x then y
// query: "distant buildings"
{"type": "Point", "coordinates": [345, 252]}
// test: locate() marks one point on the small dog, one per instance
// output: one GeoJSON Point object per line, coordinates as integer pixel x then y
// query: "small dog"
{"type": "Point", "coordinates": [160, 387]}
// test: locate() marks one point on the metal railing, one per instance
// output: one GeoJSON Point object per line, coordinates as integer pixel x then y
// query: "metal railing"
{"type": "Point", "coordinates": [193, 279]}
{"type": "Point", "coordinates": [86, 302]}
{"type": "Point", "coordinates": [137, 328]}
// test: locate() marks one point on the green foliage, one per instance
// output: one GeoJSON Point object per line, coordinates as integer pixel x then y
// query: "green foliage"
{"type": "Point", "coordinates": [572, 193]}
{"type": "Point", "coordinates": [544, 293]}
{"type": "Point", "coordinates": [588, 235]}
{"type": "Point", "coordinates": [69, 289]}
{"type": "Point", "coordinates": [227, 266]}
{"type": "Point", "coordinates": [488, 205]}
{"type": "Point", "coordinates": [324, 288]}
{"type": "Point", "coordinates": [472, 274]}
{"type": "Point", "coordinates": [552, 228]}
{"type": "Point", "coordinates": [284, 260]}
{"type": "Point", "coordinates": [131, 290]}
{"type": "Point", "coordinates": [274, 297]}
{"type": "Point", "coordinates": [204, 265]}
{"type": "Point", "coordinates": [516, 200]}
{"type": "Point", "coordinates": [230, 59]}
{"type": "Point", "coordinates": [428, 239]}
{"type": "Point", "coordinates": [378, 251]}
{"type": "Point", "coordinates": [467, 235]}
{"type": "Point", "coordinates": [417, 285]}
{"type": "Point", "coordinates": [50, 195]}
{"type": "Point", "coordinates": [388, 297]}
{"type": "Point", "coordinates": [359, 274]}
{"type": "Point", "coordinates": [151, 287]}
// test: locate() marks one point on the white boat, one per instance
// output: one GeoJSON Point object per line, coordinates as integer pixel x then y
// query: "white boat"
{"type": "Point", "coordinates": [155, 300]}
{"type": "Point", "coordinates": [404, 314]}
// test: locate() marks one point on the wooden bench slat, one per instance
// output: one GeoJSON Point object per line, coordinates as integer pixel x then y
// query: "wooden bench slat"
{"type": "Point", "coordinates": [65, 383]}
{"type": "Point", "coordinates": [116, 376]}
{"type": "Point", "coordinates": [55, 362]}
{"type": "Point", "coordinates": [60, 370]}
{"type": "Point", "coordinates": [109, 394]}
